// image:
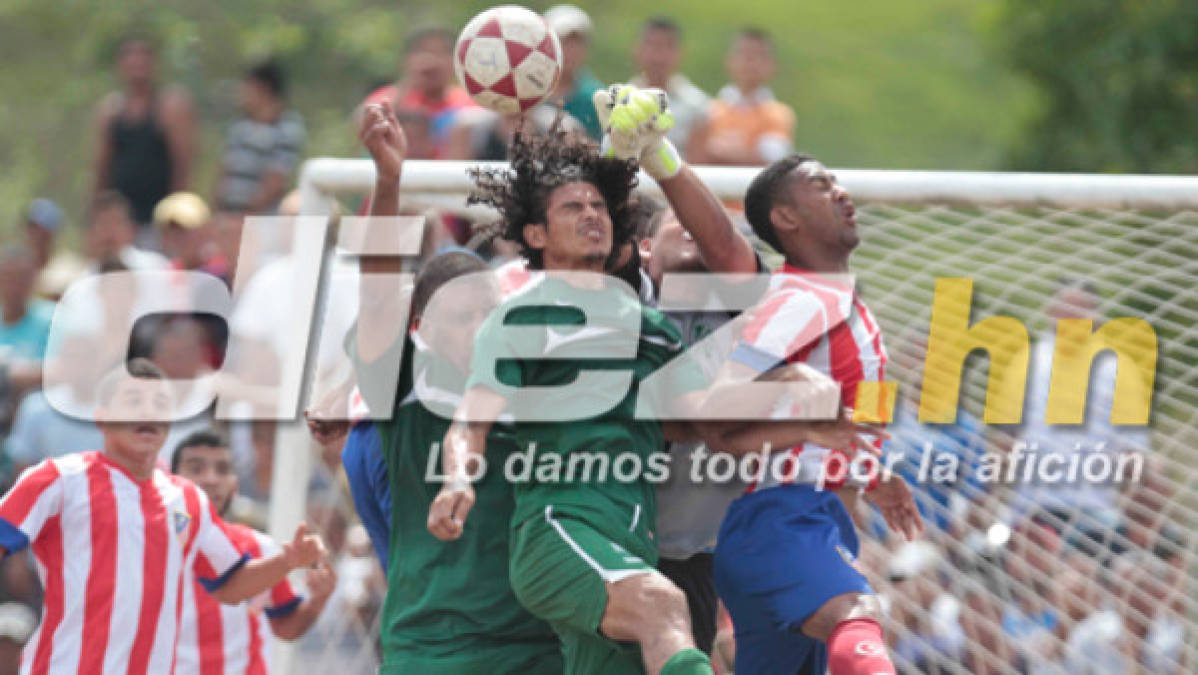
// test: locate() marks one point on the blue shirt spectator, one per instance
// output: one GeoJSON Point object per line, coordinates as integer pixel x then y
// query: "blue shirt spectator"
{"type": "Point", "coordinates": [935, 444]}
{"type": "Point", "coordinates": [41, 432]}
{"type": "Point", "coordinates": [26, 321]}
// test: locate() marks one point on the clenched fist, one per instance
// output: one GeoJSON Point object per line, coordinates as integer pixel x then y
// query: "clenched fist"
{"type": "Point", "coordinates": [380, 133]}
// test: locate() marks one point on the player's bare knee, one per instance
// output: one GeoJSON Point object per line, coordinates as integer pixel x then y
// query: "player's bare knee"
{"type": "Point", "coordinates": [663, 602]}
{"type": "Point", "coordinates": [643, 606]}
{"type": "Point", "coordinates": [839, 609]}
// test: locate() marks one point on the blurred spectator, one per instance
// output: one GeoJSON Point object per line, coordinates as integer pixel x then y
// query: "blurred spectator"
{"type": "Point", "coordinates": [260, 316]}
{"type": "Point", "coordinates": [942, 498]}
{"type": "Point", "coordinates": [263, 148]}
{"type": "Point", "coordinates": [185, 225]}
{"type": "Point", "coordinates": [145, 135]}
{"type": "Point", "coordinates": [58, 276]}
{"type": "Point", "coordinates": [17, 623]}
{"type": "Point", "coordinates": [180, 350]}
{"type": "Point", "coordinates": [417, 127]}
{"type": "Point", "coordinates": [242, 248]}
{"type": "Point", "coordinates": [40, 431]}
{"type": "Point", "coordinates": [43, 220]}
{"type": "Point", "coordinates": [1155, 609]}
{"type": "Point", "coordinates": [1097, 642]}
{"type": "Point", "coordinates": [1085, 512]}
{"type": "Point", "coordinates": [26, 324]}
{"type": "Point", "coordinates": [56, 271]}
{"type": "Point", "coordinates": [988, 650]}
{"type": "Point", "coordinates": [576, 85]}
{"type": "Point", "coordinates": [106, 311]}
{"type": "Point", "coordinates": [657, 54]}
{"type": "Point", "coordinates": [932, 635]}
{"type": "Point", "coordinates": [342, 633]}
{"type": "Point", "coordinates": [1032, 619]}
{"type": "Point", "coordinates": [427, 85]}
{"type": "Point", "coordinates": [111, 232]}
{"type": "Point", "coordinates": [23, 331]}
{"type": "Point", "coordinates": [1146, 518]}
{"type": "Point", "coordinates": [745, 125]}
{"type": "Point", "coordinates": [485, 135]}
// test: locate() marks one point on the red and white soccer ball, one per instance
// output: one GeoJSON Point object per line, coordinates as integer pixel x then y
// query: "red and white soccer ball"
{"type": "Point", "coordinates": [508, 58]}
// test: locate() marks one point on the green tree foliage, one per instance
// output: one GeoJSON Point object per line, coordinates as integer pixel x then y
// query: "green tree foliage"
{"type": "Point", "coordinates": [1117, 82]}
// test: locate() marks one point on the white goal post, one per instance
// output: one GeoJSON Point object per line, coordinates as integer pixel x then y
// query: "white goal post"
{"type": "Point", "coordinates": [1133, 237]}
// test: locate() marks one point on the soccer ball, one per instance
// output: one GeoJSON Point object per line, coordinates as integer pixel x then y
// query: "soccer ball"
{"type": "Point", "coordinates": [508, 58]}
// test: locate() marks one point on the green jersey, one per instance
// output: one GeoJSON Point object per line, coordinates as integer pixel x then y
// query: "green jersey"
{"type": "Point", "coordinates": [597, 457]}
{"type": "Point", "coordinates": [449, 606]}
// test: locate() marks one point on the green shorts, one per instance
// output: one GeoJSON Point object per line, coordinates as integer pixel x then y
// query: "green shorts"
{"type": "Point", "coordinates": [560, 564]}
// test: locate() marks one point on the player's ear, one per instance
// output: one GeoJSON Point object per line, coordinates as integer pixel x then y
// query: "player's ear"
{"type": "Point", "coordinates": [534, 235]}
{"type": "Point", "coordinates": [646, 250]}
{"type": "Point", "coordinates": [784, 218]}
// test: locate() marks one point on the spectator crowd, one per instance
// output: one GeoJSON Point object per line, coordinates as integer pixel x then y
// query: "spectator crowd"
{"type": "Point", "coordinates": [1010, 579]}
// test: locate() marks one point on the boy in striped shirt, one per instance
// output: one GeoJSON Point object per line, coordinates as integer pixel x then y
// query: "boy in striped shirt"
{"type": "Point", "coordinates": [112, 535]}
{"type": "Point", "coordinates": [215, 638]}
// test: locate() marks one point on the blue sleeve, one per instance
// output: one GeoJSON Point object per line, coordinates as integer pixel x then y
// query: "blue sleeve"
{"type": "Point", "coordinates": [213, 585]}
{"type": "Point", "coordinates": [11, 538]}
{"type": "Point", "coordinates": [284, 609]}
{"type": "Point", "coordinates": [754, 358]}
{"type": "Point", "coordinates": [366, 470]}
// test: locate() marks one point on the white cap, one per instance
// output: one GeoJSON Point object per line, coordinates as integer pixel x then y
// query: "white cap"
{"type": "Point", "coordinates": [17, 622]}
{"type": "Point", "coordinates": [567, 19]}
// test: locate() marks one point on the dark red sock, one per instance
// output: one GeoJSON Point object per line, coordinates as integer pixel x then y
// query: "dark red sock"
{"type": "Point", "coordinates": [856, 647]}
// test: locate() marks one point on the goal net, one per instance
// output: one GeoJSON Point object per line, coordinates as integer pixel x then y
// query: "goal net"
{"type": "Point", "coordinates": [1090, 575]}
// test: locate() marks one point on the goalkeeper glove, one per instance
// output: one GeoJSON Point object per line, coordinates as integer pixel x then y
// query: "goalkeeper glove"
{"type": "Point", "coordinates": [635, 122]}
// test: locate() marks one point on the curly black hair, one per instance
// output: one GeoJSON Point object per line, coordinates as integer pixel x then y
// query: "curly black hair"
{"type": "Point", "coordinates": [539, 165]}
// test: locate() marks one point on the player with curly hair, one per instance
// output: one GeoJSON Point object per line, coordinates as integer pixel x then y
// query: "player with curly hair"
{"type": "Point", "coordinates": [582, 551]}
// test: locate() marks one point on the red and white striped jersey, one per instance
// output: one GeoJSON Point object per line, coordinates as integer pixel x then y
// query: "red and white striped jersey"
{"type": "Point", "coordinates": [805, 317]}
{"type": "Point", "coordinates": [220, 639]}
{"type": "Point", "coordinates": [110, 552]}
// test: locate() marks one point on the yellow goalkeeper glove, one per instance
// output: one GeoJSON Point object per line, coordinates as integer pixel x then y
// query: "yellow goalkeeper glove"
{"type": "Point", "coordinates": [635, 122]}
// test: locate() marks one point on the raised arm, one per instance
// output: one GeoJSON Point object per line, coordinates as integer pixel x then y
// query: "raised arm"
{"type": "Point", "coordinates": [380, 304]}
{"type": "Point", "coordinates": [723, 249]}
{"type": "Point", "coordinates": [636, 122]}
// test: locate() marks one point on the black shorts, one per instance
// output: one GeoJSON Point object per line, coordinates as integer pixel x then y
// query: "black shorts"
{"type": "Point", "coordinates": [694, 576]}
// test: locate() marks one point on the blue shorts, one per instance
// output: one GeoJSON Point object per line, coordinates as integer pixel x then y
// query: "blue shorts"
{"type": "Point", "coordinates": [781, 554]}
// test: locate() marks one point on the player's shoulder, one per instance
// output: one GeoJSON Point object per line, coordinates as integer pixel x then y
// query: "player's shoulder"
{"type": "Point", "coordinates": [195, 499]}
{"type": "Point", "coordinates": [778, 111]}
{"type": "Point", "coordinates": [787, 295]}
{"type": "Point", "coordinates": [52, 469]}
{"type": "Point", "coordinates": [71, 464]}
{"type": "Point", "coordinates": [833, 292]}
{"type": "Point", "coordinates": [248, 539]}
